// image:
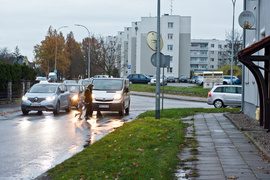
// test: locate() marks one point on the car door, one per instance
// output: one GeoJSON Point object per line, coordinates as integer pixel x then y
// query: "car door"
{"type": "Point", "coordinates": [231, 96]}
{"type": "Point", "coordinates": [63, 96]}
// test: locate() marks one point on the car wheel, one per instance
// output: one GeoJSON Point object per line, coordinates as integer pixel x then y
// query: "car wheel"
{"type": "Point", "coordinates": [218, 104]}
{"type": "Point", "coordinates": [127, 109]}
{"type": "Point", "coordinates": [121, 112]}
{"type": "Point", "coordinates": [57, 108]}
{"type": "Point", "coordinates": [69, 107]}
{"type": "Point", "coordinates": [25, 112]}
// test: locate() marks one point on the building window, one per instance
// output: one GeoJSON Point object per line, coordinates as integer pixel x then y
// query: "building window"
{"type": "Point", "coordinates": [219, 46]}
{"type": "Point", "coordinates": [170, 47]}
{"type": "Point", "coordinates": [203, 66]}
{"type": "Point", "coordinates": [212, 67]}
{"type": "Point", "coordinates": [170, 25]}
{"type": "Point", "coordinates": [171, 58]}
{"type": "Point", "coordinates": [170, 36]}
{"type": "Point", "coordinates": [212, 45]}
{"type": "Point", "coordinates": [212, 52]}
{"type": "Point", "coordinates": [169, 70]}
{"type": "Point", "coordinates": [212, 59]}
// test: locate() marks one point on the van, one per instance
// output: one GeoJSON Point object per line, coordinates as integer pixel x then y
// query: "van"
{"type": "Point", "coordinates": [52, 77]}
{"type": "Point", "coordinates": [111, 94]}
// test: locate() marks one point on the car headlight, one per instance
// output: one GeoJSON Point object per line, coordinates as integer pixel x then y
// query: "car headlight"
{"type": "Point", "coordinates": [117, 96]}
{"type": "Point", "coordinates": [93, 96]}
{"type": "Point", "coordinates": [51, 98]}
{"type": "Point", "coordinates": [24, 98]}
{"type": "Point", "coordinates": [75, 97]}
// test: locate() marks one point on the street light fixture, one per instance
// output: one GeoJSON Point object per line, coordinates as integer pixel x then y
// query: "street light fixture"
{"type": "Point", "coordinates": [233, 1]}
{"type": "Point", "coordinates": [56, 45]}
{"type": "Point", "coordinates": [88, 48]}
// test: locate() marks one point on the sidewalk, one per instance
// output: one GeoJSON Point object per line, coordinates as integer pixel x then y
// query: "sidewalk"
{"type": "Point", "coordinates": [224, 151]}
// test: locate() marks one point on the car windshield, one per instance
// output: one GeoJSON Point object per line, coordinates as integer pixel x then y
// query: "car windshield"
{"type": "Point", "coordinates": [70, 81]}
{"type": "Point", "coordinates": [86, 82]}
{"type": "Point", "coordinates": [73, 89]}
{"type": "Point", "coordinates": [43, 88]}
{"type": "Point", "coordinates": [107, 84]}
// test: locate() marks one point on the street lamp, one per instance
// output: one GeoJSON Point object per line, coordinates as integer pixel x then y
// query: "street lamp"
{"type": "Point", "coordinates": [88, 48]}
{"type": "Point", "coordinates": [56, 45]}
{"type": "Point", "coordinates": [233, 1]}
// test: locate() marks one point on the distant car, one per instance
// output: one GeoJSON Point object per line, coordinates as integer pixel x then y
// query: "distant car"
{"type": "Point", "coordinates": [138, 78]}
{"type": "Point", "coordinates": [70, 82]}
{"type": "Point", "coordinates": [101, 76]}
{"type": "Point", "coordinates": [46, 97]}
{"type": "Point", "coordinates": [227, 79]}
{"type": "Point", "coordinates": [85, 82]}
{"type": "Point", "coordinates": [199, 80]}
{"type": "Point", "coordinates": [52, 77]}
{"type": "Point", "coordinates": [225, 95]}
{"type": "Point", "coordinates": [75, 93]}
{"type": "Point", "coordinates": [193, 79]}
{"type": "Point", "coordinates": [153, 80]}
{"type": "Point", "coordinates": [182, 79]}
{"type": "Point", "coordinates": [111, 94]}
{"type": "Point", "coordinates": [171, 79]}
{"type": "Point", "coordinates": [40, 78]}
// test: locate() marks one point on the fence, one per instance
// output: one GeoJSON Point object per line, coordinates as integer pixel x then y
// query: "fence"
{"type": "Point", "coordinates": [15, 92]}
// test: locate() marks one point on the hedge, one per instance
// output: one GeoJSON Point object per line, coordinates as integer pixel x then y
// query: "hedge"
{"type": "Point", "coordinates": [16, 73]}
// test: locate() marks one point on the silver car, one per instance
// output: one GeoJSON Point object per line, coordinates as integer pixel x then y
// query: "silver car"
{"type": "Point", "coordinates": [225, 95]}
{"type": "Point", "coordinates": [111, 94]}
{"type": "Point", "coordinates": [46, 97]}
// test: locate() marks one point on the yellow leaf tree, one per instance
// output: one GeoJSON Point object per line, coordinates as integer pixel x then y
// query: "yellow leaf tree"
{"type": "Point", "coordinates": [45, 53]}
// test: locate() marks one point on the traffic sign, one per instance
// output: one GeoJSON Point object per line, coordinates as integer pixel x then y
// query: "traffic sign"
{"type": "Point", "coordinates": [55, 71]}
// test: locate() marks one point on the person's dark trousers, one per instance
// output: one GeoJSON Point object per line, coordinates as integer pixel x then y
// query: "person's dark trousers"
{"type": "Point", "coordinates": [89, 110]}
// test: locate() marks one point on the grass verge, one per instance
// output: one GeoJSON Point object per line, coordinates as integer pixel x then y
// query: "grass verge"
{"type": "Point", "coordinates": [142, 149]}
{"type": "Point", "coordinates": [198, 91]}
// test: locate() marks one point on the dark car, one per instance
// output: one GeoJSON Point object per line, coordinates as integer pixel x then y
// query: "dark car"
{"type": "Point", "coordinates": [183, 79]}
{"type": "Point", "coordinates": [171, 79]}
{"type": "Point", "coordinates": [75, 93]}
{"type": "Point", "coordinates": [138, 78]}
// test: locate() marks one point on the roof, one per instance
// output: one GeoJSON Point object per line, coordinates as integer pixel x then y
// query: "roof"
{"type": "Point", "coordinates": [254, 47]}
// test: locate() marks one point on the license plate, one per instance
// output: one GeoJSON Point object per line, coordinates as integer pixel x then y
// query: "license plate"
{"type": "Point", "coordinates": [35, 104]}
{"type": "Point", "coordinates": [103, 106]}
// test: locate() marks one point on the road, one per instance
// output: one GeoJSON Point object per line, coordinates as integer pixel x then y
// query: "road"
{"type": "Point", "coordinates": [32, 144]}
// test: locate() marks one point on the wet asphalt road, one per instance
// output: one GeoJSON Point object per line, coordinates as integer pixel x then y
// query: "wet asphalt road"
{"type": "Point", "coordinates": [32, 144]}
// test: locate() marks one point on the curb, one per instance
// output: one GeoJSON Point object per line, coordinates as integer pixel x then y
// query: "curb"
{"type": "Point", "coordinates": [245, 132]}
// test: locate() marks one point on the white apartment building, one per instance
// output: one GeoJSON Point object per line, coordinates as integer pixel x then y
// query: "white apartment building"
{"type": "Point", "coordinates": [261, 29]}
{"type": "Point", "coordinates": [208, 54]}
{"type": "Point", "coordinates": [175, 32]}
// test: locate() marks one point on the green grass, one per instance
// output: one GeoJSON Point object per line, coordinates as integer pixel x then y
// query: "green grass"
{"type": "Point", "coordinates": [198, 91]}
{"type": "Point", "coordinates": [142, 149]}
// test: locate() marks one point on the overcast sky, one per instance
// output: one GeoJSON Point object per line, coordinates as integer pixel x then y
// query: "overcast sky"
{"type": "Point", "coordinates": [24, 23]}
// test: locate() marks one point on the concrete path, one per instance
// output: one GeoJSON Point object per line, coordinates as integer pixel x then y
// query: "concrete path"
{"type": "Point", "coordinates": [224, 151]}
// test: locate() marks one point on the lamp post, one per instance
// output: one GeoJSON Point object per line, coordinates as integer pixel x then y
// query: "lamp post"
{"type": "Point", "coordinates": [56, 45]}
{"type": "Point", "coordinates": [88, 48]}
{"type": "Point", "coordinates": [233, 1]}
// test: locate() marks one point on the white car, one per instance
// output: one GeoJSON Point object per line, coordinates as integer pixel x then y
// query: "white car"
{"type": "Point", "coordinates": [153, 80]}
{"type": "Point", "coordinates": [225, 95]}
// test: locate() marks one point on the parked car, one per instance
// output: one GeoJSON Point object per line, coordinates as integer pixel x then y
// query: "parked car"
{"type": "Point", "coordinates": [182, 78]}
{"type": "Point", "coordinates": [46, 97]}
{"type": "Point", "coordinates": [227, 79]}
{"type": "Point", "coordinates": [75, 93]}
{"type": "Point", "coordinates": [111, 94]}
{"type": "Point", "coordinates": [85, 82]}
{"type": "Point", "coordinates": [225, 95]}
{"type": "Point", "coordinates": [199, 80]}
{"type": "Point", "coordinates": [153, 80]}
{"type": "Point", "coordinates": [70, 82]}
{"type": "Point", "coordinates": [138, 78]}
{"type": "Point", "coordinates": [193, 79]}
{"type": "Point", "coordinates": [171, 79]}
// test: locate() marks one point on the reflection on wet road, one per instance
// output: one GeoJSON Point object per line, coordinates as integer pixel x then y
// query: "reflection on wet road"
{"type": "Point", "coordinates": [32, 144]}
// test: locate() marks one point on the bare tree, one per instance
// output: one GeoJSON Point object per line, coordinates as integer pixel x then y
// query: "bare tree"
{"type": "Point", "coordinates": [238, 41]}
